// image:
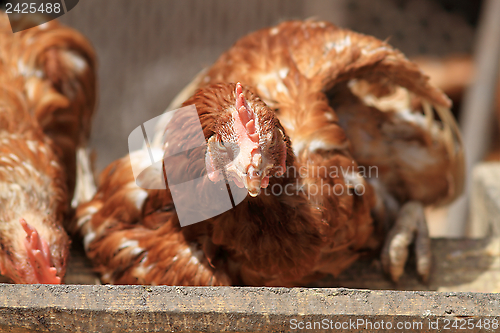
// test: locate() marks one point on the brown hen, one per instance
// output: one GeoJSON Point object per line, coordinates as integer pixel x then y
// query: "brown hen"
{"type": "Point", "coordinates": [47, 95]}
{"type": "Point", "coordinates": [317, 107]}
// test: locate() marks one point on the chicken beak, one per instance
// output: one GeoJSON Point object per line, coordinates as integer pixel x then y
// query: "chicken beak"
{"type": "Point", "coordinates": [254, 180]}
{"type": "Point", "coordinates": [252, 185]}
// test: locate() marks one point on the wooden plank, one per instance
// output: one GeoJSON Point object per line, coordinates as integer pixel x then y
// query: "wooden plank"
{"type": "Point", "coordinates": [66, 308]}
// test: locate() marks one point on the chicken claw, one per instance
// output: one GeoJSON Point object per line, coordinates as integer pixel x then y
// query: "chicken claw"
{"type": "Point", "coordinates": [39, 256]}
{"type": "Point", "coordinates": [410, 226]}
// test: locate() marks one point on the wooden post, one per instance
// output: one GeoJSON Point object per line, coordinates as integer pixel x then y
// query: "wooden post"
{"type": "Point", "coordinates": [477, 112]}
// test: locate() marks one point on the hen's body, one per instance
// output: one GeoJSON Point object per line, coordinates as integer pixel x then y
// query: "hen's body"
{"type": "Point", "coordinates": [305, 72]}
{"type": "Point", "coordinates": [58, 67]}
{"type": "Point", "coordinates": [46, 100]}
{"type": "Point", "coordinates": [33, 188]}
{"type": "Point", "coordinates": [318, 77]}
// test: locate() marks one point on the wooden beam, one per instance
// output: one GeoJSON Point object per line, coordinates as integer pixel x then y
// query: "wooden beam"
{"type": "Point", "coordinates": [66, 308]}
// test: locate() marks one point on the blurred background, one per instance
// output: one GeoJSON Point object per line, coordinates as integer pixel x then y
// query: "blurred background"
{"type": "Point", "coordinates": [148, 51]}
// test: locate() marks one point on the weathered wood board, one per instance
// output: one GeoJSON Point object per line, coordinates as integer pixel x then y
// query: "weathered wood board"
{"type": "Point", "coordinates": [43, 308]}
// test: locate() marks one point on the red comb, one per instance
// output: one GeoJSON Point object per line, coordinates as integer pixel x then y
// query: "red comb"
{"type": "Point", "coordinates": [246, 114]}
{"type": "Point", "coordinates": [39, 256]}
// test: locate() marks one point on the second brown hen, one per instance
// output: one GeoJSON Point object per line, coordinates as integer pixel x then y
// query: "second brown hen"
{"type": "Point", "coordinates": [318, 109]}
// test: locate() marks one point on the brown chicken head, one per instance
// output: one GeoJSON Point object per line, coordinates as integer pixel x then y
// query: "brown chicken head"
{"type": "Point", "coordinates": [248, 143]}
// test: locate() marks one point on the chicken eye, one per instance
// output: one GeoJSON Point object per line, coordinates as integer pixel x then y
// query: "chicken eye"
{"type": "Point", "coordinates": [275, 139]}
{"type": "Point", "coordinates": [221, 145]}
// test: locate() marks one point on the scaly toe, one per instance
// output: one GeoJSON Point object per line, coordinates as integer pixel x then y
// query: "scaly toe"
{"type": "Point", "coordinates": [410, 225]}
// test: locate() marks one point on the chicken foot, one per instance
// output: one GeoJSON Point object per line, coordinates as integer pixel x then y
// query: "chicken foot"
{"type": "Point", "coordinates": [410, 225]}
{"type": "Point", "coordinates": [39, 256]}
